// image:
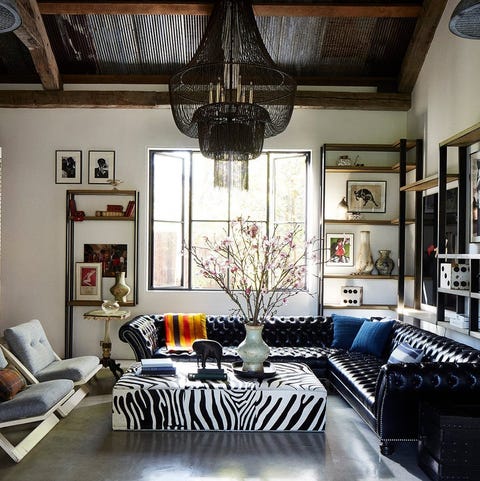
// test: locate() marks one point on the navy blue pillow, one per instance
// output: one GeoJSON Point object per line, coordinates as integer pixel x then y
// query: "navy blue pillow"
{"type": "Point", "coordinates": [345, 328]}
{"type": "Point", "coordinates": [372, 337]}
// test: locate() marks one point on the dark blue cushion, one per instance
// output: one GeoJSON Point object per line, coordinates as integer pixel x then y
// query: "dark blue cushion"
{"type": "Point", "coordinates": [345, 328]}
{"type": "Point", "coordinates": [372, 337]}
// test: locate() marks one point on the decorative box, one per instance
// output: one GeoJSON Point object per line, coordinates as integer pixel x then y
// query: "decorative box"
{"type": "Point", "coordinates": [460, 321]}
{"type": "Point", "coordinates": [445, 275]}
{"type": "Point", "coordinates": [460, 277]}
{"type": "Point", "coordinates": [351, 295]}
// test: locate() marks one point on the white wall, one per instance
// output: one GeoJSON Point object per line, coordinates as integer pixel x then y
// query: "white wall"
{"type": "Point", "coordinates": [33, 220]}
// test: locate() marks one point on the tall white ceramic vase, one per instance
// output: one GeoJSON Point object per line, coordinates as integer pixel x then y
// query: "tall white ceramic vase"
{"type": "Point", "coordinates": [364, 262]}
{"type": "Point", "coordinates": [253, 350]}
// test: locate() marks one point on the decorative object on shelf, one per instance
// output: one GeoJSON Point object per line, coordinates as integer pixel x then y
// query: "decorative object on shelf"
{"type": "Point", "coordinates": [344, 161]}
{"type": "Point", "coordinates": [460, 320]}
{"type": "Point", "coordinates": [68, 166]}
{"type": "Point", "coordinates": [364, 262]}
{"type": "Point", "coordinates": [354, 216]}
{"type": "Point", "coordinates": [366, 196]}
{"type": "Point", "coordinates": [445, 275]}
{"type": "Point", "coordinates": [231, 95]}
{"type": "Point", "coordinates": [114, 183]}
{"type": "Point", "coordinates": [76, 215]}
{"type": "Point", "coordinates": [384, 264]}
{"type": "Point", "coordinates": [465, 20]}
{"type": "Point", "coordinates": [88, 281]}
{"type": "Point", "coordinates": [339, 250]}
{"type": "Point", "coordinates": [342, 209]}
{"type": "Point", "coordinates": [112, 256]}
{"type": "Point", "coordinates": [460, 277]}
{"type": "Point", "coordinates": [258, 271]}
{"type": "Point", "coordinates": [120, 289]}
{"type": "Point", "coordinates": [110, 307]}
{"type": "Point", "coordinates": [351, 295]}
{"type": "Point", "coordinates": [101, 166]}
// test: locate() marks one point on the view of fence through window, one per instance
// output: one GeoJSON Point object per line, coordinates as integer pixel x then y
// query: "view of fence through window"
{"type": "Point", "coordinates": [185, 206]}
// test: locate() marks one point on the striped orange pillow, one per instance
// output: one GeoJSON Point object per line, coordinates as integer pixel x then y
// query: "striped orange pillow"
{"type": "Point", "coordinates": [182, 329]}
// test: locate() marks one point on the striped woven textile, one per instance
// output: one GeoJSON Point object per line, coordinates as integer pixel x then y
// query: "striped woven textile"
{"type": "Point", "coordinates": [182, 329]}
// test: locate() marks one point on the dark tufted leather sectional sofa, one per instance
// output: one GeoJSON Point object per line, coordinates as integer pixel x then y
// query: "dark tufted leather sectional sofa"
{"type": "Point", "coordinates": [386, 396]}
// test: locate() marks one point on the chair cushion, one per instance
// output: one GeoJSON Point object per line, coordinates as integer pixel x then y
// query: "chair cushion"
{"type": "Point", "coordinates": [372, 337]}
{"type": "Point", "coordinates": [35, 400]}
{"type": "Point", "coordinates": [11, 383]}
{"type": "Point", "coordinates": [29, 343]}
{"type": "Point", "coordinates": [76, 369]}
{"type": "Point", "coordinates": [345, 328]}
{"type": "Point", "coordinates": [405, 353]}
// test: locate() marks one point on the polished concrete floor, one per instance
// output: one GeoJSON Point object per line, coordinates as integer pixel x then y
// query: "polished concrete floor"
{"type": "Point", "coordinates": [82, 447]}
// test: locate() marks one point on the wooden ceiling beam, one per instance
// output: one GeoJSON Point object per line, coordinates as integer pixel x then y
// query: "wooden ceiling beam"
{"type": "Point", "coordinates": [420, 43]}
{"type": "Point", "coordinates": [33, 35]}
{"type": "Point", "coordinates": [150, 100]}
{"type": "Point", "coordinates": [260, 9]}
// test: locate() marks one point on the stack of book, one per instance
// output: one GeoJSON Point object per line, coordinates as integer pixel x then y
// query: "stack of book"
{"type": "Point", "coordinates": [158, 367]}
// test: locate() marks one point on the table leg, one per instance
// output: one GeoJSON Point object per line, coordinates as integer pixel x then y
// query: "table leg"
{"type": "Point", "coordinates": [106, 360]}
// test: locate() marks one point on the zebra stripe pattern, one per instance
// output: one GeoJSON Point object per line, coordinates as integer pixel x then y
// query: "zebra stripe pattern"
{"type": "Point", "coordinates": [293, 400]}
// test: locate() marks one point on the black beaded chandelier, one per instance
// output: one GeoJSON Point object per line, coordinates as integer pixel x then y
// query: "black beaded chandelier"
{"type": "Point", "coordinates": [231, 95]}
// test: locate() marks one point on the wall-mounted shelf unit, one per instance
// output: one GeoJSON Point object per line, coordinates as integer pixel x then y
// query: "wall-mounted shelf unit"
{"type": "Point", "coordinates": [382, 162]}
{"type": "Point", "coordinates": [96, 218]}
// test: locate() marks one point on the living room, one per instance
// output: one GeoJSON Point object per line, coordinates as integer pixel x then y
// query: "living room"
{"type": "Point", "coordinates": [33, 205]}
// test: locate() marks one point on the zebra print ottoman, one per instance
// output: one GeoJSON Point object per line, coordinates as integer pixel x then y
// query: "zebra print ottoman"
{"type": "Point", "coordinates": [293, 400]}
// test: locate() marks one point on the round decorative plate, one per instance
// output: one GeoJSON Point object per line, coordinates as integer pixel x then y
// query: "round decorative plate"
{"type": "Point", "coordinates": [268, 371]}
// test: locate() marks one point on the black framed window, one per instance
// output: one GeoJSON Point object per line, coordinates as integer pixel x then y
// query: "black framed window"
{"type": "Point", "coordinates": [185, 205]}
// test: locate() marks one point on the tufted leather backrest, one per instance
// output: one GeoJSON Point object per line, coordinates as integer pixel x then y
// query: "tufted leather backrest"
{"type": "Point", "coordinates": [436, 348]}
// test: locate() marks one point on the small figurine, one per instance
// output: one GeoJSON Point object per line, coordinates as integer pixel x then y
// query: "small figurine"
{"type": "Point", "coordinates": [205, 348]}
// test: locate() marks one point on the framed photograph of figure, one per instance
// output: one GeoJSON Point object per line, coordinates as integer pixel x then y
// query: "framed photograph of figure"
{"type": "Point", "coordinates": [88, 281]}
{"type": "Point", "coordinates": [68, 166]}
{"type": "Point", "coordinates": [101, 166]}
{"type": "Point", "coordinates": [366, 196]}
{"type": "Point", "coordinates": [339, 250]}
{"type": "Point", "coordinates": [474, 196]}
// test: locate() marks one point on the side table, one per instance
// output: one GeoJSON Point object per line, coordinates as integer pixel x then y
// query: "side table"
{"type": "Point", "coordinates": [100, 315]}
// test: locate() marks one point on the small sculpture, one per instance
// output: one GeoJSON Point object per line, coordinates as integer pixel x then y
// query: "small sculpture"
{"type": "Point", "coordinates": [205, 348]}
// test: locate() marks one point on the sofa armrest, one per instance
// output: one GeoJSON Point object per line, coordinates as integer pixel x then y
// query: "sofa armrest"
{"type": "Point", "coordinates": [143, 333]}
{"type": "Point", "coordinates": [430, 377]}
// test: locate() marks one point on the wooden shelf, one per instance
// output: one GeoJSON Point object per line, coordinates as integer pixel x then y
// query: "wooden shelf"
{"type": "Point", "coordinates": [427, 183]}
{"type": "Point", "coordinates": [395, 147]}
{"type": "Point", "coordinates": [464, 138]}
{"type": "Point", "coordinates": [102, 192]}
{"type": "Point", "coordinates": [382, 169]}
{"type": "Point", "coordinates": [459, 256]}
{"type": "Point", "coordinates": [451, 327]}
{"type": "Point", "coordinates": [97, 303]}
{"type": "Point", "coordinates": [109, 218]}
{"type": "Point", "coordinates": [362, 276]}
{"type": "Point", "coordinates": [454, 292]}
{"type": "Point", "coordinates": [407, 221]}
{"type": "Point", "coordinates": [360, 221]}
{"type": "Point", "coordinates": [384, 307]}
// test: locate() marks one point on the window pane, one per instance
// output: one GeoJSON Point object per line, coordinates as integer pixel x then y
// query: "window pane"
{"type": "Point", "coordinates": [212, 230]}
{"type": "Point", "coordinates": [166, 256]}
{"type": "Point", "coordinates": [289, 182]}
{"type": "Point", "coordinates": [207, 202]}
{"type": "Point", "coordinates": [252, 203]}
{"type": "Point", "coordinates": [168, 186]}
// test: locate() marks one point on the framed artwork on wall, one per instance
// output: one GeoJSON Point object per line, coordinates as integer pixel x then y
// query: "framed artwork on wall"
{"type": "Point", "coordinates": [366, 196]}
{"type": "Point", "coordinates": [474, 196]}
{"type": "Point", "coordinates": [339, 250]}
{"type": "Point", "coordinates": [68, 166]}
{"type": "Point", "coordinates": [101, 166]}
{"type": "Point", "coordinates": [88, 281]}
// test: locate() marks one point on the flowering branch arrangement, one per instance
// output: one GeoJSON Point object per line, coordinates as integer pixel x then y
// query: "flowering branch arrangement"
{"type": "Point", "coordinates": [258, 272]}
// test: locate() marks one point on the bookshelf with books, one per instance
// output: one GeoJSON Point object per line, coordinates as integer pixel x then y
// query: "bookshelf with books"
{"type": "Point", "coordinates": [101, 233]}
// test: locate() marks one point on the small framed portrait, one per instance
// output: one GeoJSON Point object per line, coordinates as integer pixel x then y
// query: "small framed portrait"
{"type": "Point", "coordinates": [88, 281]}
{"type": "Point", "coordinates": [474, 197]}
{"type": "Point", "coordinates": [366, 196]}
{"type": "Point", "coordinates": [101, 166]}
{"type": "Point", "coordinates": [339, 250]}
{"type": "Point", "coordinates": [68, 166]}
